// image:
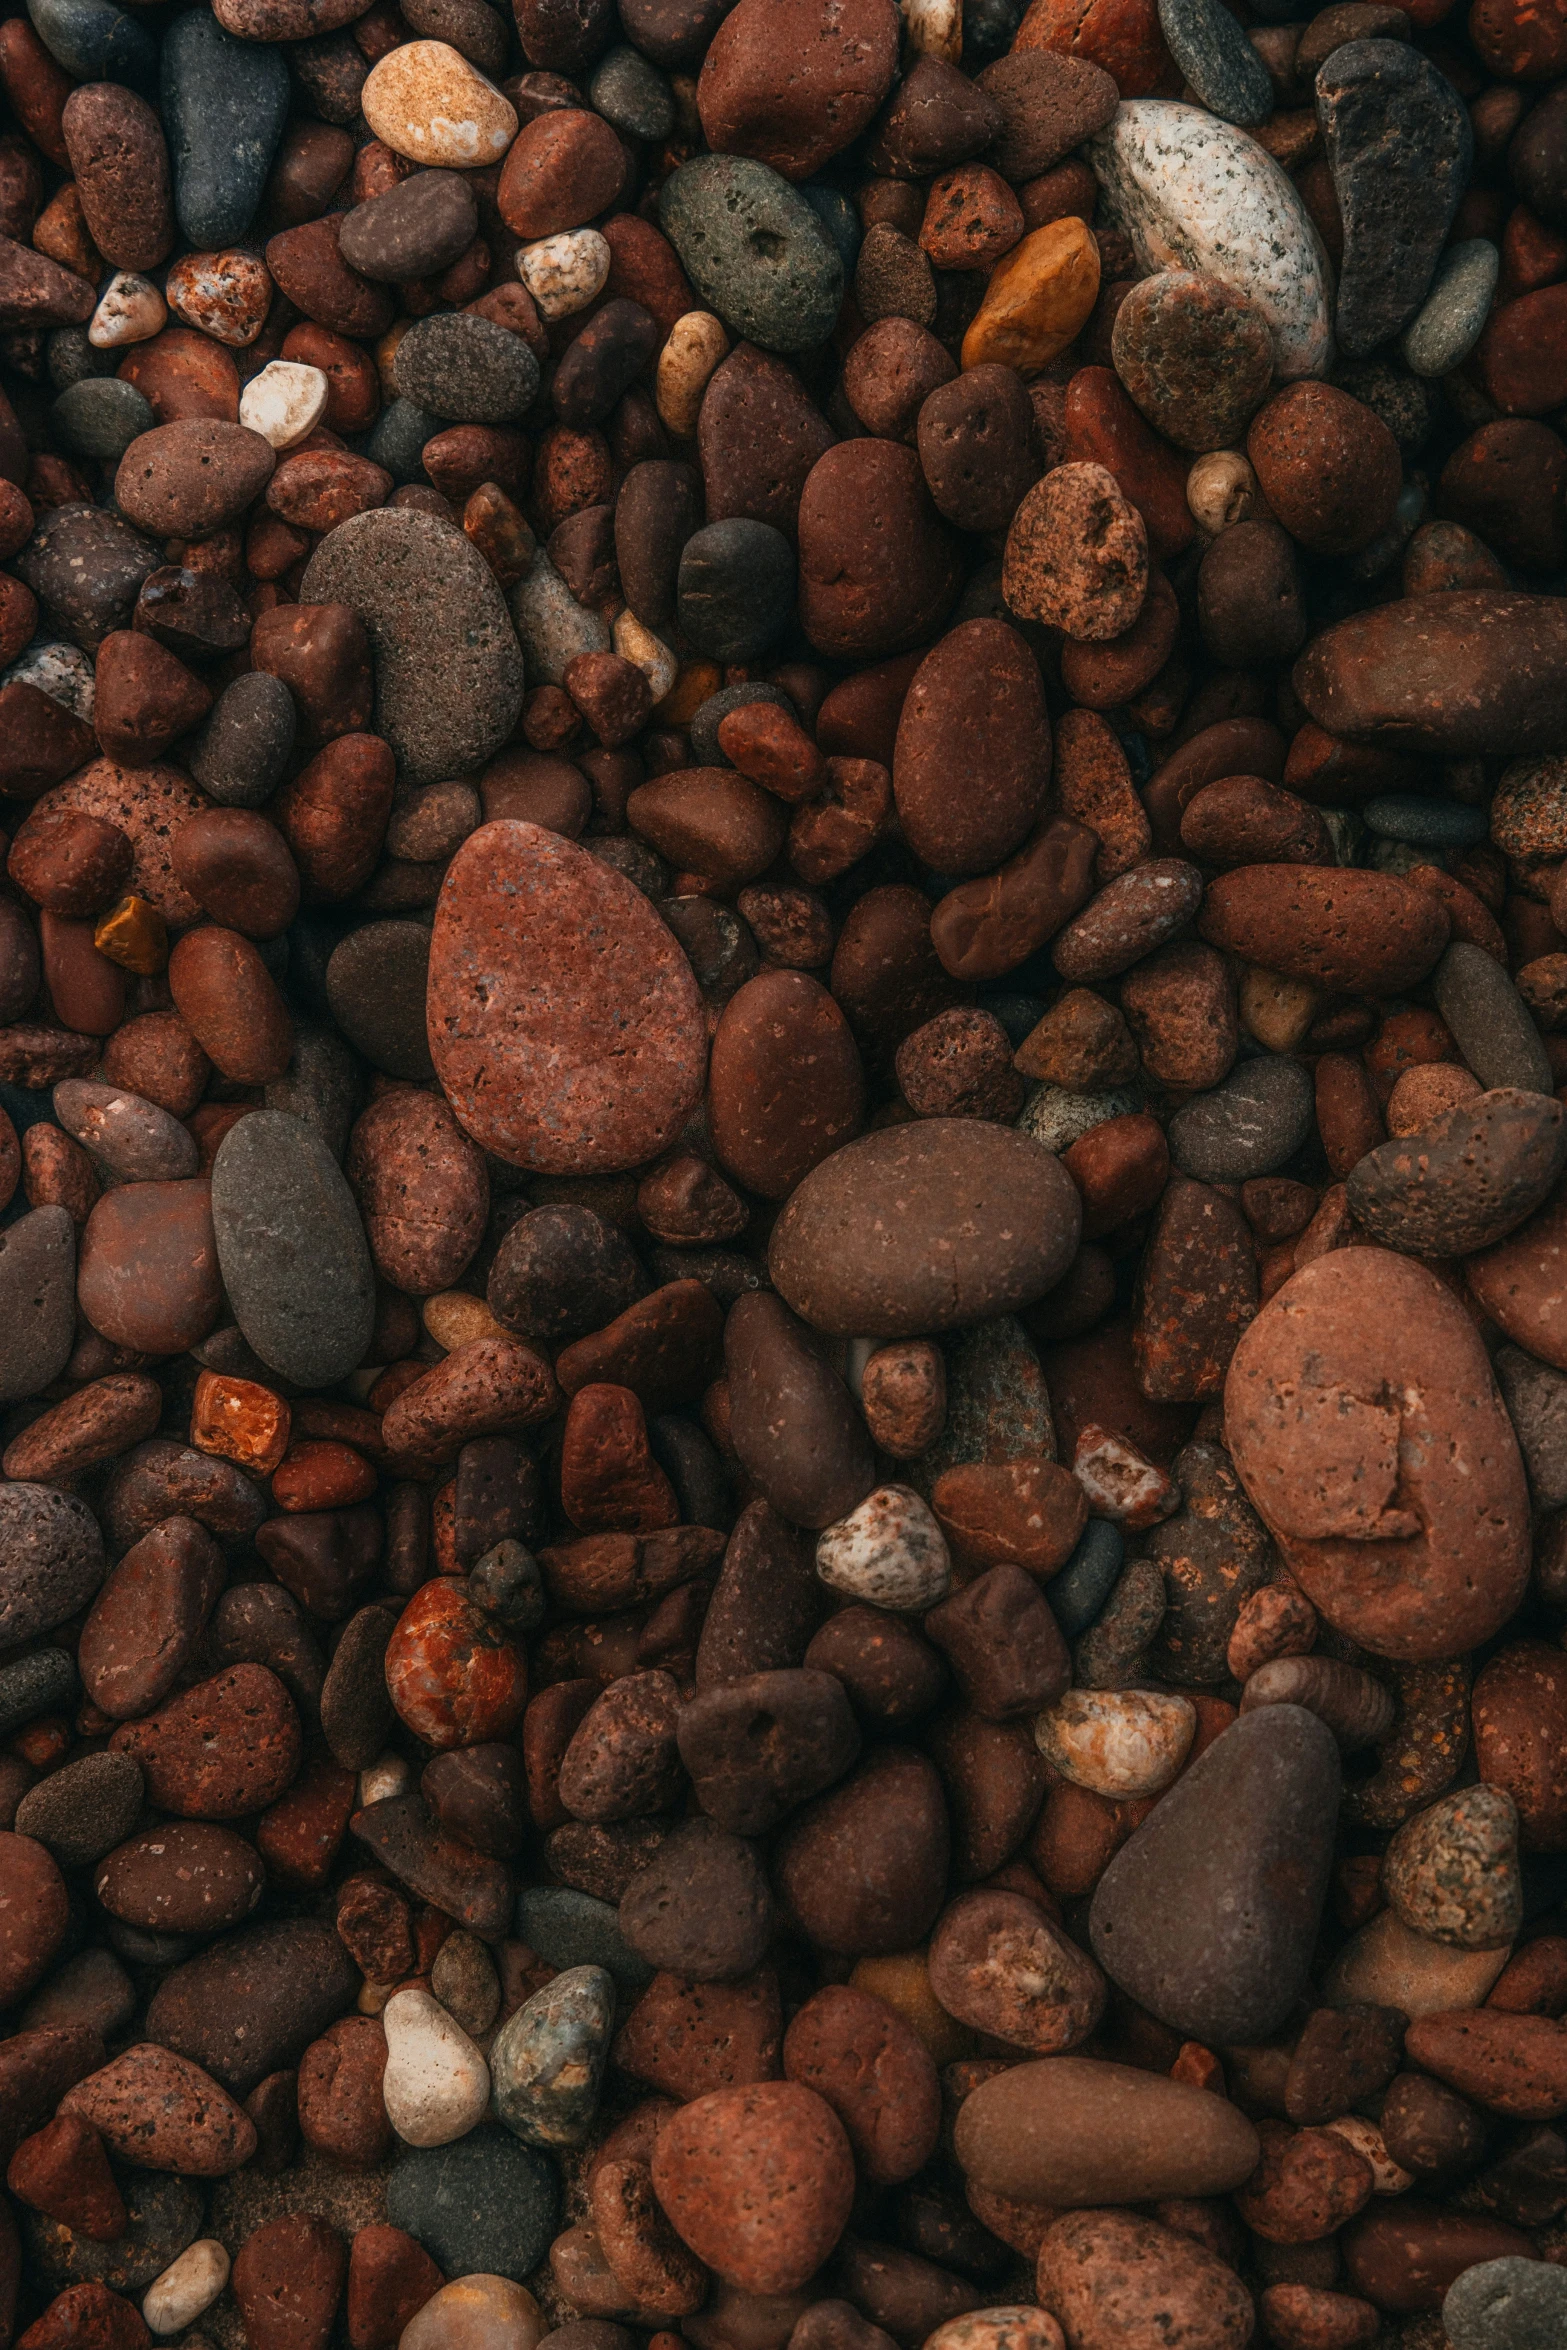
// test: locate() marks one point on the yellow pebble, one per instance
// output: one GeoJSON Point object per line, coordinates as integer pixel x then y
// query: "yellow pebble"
{"type": "Point", "coordinates": [904, 1982]}
{"type": "Point", "coordinates": [453, 1317]}
{"type": "Point", "coordinates": [1275, 1010]}
{"type": "Point", "coordinates": [1037, 299]}
{"type": "Point", "coordinates": [686, 365]}
{"type": "Point", "coordinates": [133, 935]}
{"type": "Point", "coordinates": [690, 690]}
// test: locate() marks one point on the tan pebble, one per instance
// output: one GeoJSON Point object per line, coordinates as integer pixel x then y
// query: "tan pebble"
{"type": "Point", "coordinates": [131, 310]}
{"type": "Point", "coordinates": [935, 28]}
{"type": "Point", "coordinates": [389, 1775]}
{"type": "Point", "coordinates": [454, 1317]}
{"type": "Point", "coordinates": [436, 2084]}
{"type": "Point", "coordinates": [1117, 1742]}
{"type": "Point", "coordinates": [187, 2286]}
{"type": "Point", "coordinates": [478, 2312]}
{"type": "Point", "coordinates": [285, 402]}
{"type": "Point", "coordinates": [696, 347]}
{"type": "Point", "coordinates": [1275, 1010]}
{"type": "Point", "coordinates": [1012, 2326]}
{"type": "Point", "coordinates": [564, 273]}
{"type": "Point", "coordinates": [646, 652]}
{"type": "Point", "coordinates": [426, 102]}
{"type": "Point", "coordinates": [1221, 488]}
{"type": "Point", "coordinates": [1385, 1965]}
{"type": "Point", "coordinates": [1387, 2176]}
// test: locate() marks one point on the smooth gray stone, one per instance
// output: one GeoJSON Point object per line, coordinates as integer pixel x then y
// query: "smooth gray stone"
{"type": "Point", "coordinates": [630, 92]}
{"type": "Point", "coordinates": [1086, 1581]}
{"type": "Point", "coordinates": [321, 1085]}
{"type": "Point", "coordinates": [467, 368]}
{"type": "Point", "coordinates": [1218, 61]}
{"type": "Point", "coordinates": [1250, 1125]}
{"type": "Point", "coordinates": [84, 1810]}
{"type": "Point", "coordinates": [1511, 2304]}
{"type": "Point", "coordinates": [225, 106]}
{"type": "Point", "coordinates": [98, 416]}
{"type": "Point", "coordinates": [572, 1929]}
{"type": "Point", "coordinates": [97, 43]}
{"type": "Point", "coordinates": [483, 2206]}
{"type": "Point", "coordinates": [754, 250]}
{"type": "Point", "coordinates": [240, 754]}
{"type": "Point", "coordinates": [37, 1303]}
{"type": "Point", "coordinates": [292, 1249]}
{"type": "Point", "coordinates": [1490, 1023]}
{"type": "Point", "coordinates": [1399, 146]}
{"type": "Point", "coordinates": [1451, 319]}
{"type": "Point", "coordinates": [398, 436]}
{"type": "Point", "coordinates": [42, 1683]}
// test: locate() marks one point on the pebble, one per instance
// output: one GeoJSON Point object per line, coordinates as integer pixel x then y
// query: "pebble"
{"type": "Point", "coordinates": [1249, 1126]}
{"type": "Point", "coordinates": [1185, 187]}
{"type": "Point", "coordinates": [37, 1282]}
{"type": "Point", "coordinates": [1449, 321]}
{"type": "Point", "coordinates": [187, 2287]}
{"type": "Point", "coordinates": [547, 2061]}
{"type": "Point", "coordinates": [292, 1249]}
{"type": "Point", "coordinates": [449, 672]}
{"type": "Point", "coordinates": [1399, 147]}
{"type": "Point", "coordinates": [284, 403]}
{"type": "Point", "coordinates": [1104, 2133]}
{"type": "Point", "coordinates": [1487, 1018]}
{"type": "Point", "coordinates": [1451, 1873]}
{"type": "Point", "coordinates": [754, 250]}
{"type": "Point", "coordinates": [476, 2313]}
{"type": "Point", "coordinates": [758, 2181]}
{"type": "Point", "coordinates": [1118, 1743]}
{"type": "Point", "coordinates": [483, 2206]}
{"type": "Point", "coordinates": [888, 1551]}
{"type": "Point", "coordinates": [1509, 2304]}
{"type": "Point", "coordinates": [427, 102]}
{"type": "Point", "coordinates": [1220, 64]}
{"type": "Point", "coordinates": [466, 368]}
{"type": "Point", "coordinates": [436, 2083]}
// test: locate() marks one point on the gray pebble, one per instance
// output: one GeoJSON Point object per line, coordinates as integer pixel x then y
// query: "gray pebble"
{"type": "Point", "coordinates": [571, 1929]}
{"type": "Point", "coordinates": [321, 1085]}
{"type": "Point", "coordinates": [754, 250]}
{"type": "Point", "coordinates": [398, 436]}
{"type": "Point", "coordinates": [37, 1304]}
{"type": "Point", "coordinates": [1218, 61]}
{"type": "Point", "coordinates": [356, 1712]}
{"type": "Point", "coordinates": [631, 93]}
{"type": "Point", "coordinates": [132, 1138]}
{"type": "Point", "coordinates": [72, 359]}
{"type": "Point", "coordinates": [240, 754]}
{"type": "Point", "coordinates": [448, 667]}
{"type": "Point", "coordinates": [1451, 319]}
{"type": "Point", "coordinates": [467, 368]}
{"type": "Point", "coordinates": [97, 43]}
{"type": "Point", "coordinates": [552, 627]}
{"type": "Point", "coordinates": [292, 1249]}
{"type": "Point", "coordinates": [1424, 822]}
{"type": "Point", "coordinates": [838, 214]}
{"type": "Point", "coordinates": [1086, 1581]}
{"type": "Point", "coordinates": [736, 592]}
{"type": "Point", "coordinates": [1536, 1399]}
{"type": "Point", "coordinates": [1109, 1654]}
{"type": "Point", "coordinates": [375, 984]}
{"type": "Point", "coordinates": [1512, 2304]}
{"type": "Point", "coordinates": [225, 104]}
{"type": "Point", "coordinates": [84, 1810]}
{"type": "Point", "coordinates": [1399, 146]}
{"type": "Point", "coordinates": [1490, 1025]}
{"type": "Point", "coordinates": [86, 568]}
{"type": "Point", "coordinates": [165, 2215]}
{"type": "Point", "coordinates": [483, 2206]}
{"type": "Point", "coordinates": [1250, 1125]}
{"type": "Point", "coordinates": [547, 2061]}
{"type": "Point", "coordinates": [44, 1682]}
{"type": "Point", "coordinates": [100, 417]}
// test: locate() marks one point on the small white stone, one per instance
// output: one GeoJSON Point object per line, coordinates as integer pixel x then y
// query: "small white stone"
{"type": "Point", "coordinates": [187, 2287]}
{"type": "Point", "coordinates": [935, 28]}
{"type": "Point", "coordinates": [475, 2313]}
{"type": "Point", "coordinates": [696, 348]}
{"type": "Point", "coordinates": [889, 1552]}
{"type": "Point", "coordinates": [1117, 1742]}
{"type": "Point", "coordinates": [646, 652]}
{"type": "Point", "coordinates": [1221, 488]}
{"type": "Point", "coordinates": [436, 2084]}
{"type": "Point", "coordinates": [564, 273]}
{"type": "Point", "coordinates": [285, 402]}
{"type": "Point", "coordinates": [388, 1775]}
{"type": "Point", "coordinates": [131, 310]}
{"type": "Point", "coordinates": [61, 671]}
{"type": "Point", "coordinates": [1193, 192]}
{"type": "Point", "coordinates": [1387, 2176]}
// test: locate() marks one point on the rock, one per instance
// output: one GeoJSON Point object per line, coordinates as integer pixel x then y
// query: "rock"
{"type": "Point", "coordinates": [1399, 147]}
{"type": "Point", "coordinates": [1188, 189]}
{"type": "Point", "coordinates": [975, 709]}
{"type": "Point", "coordinates": [1074, 2130]}
{"type": "Point", "coordinates": [1247, 1840]}
{"type": "Point", "coordinates": [736, 588]}
{"type": "Point", "coordinates": [547, 2060]}
{"type": "Point", "coordinates": [252, 2003]}
{"type": "Point", "coordinates": [1451, 1873]}
{"type": "Point", "coordinates": [701, 1907]}
{"type": "Point", "coordinates": [758, 2181]}
{"type": "Point", "coordinates": [287, 2280]}
{"type": "Point", "coordinates": [862, 1870]}
{"type": "Point", "coordinates": [484, 2206]}
{"type": "Point", "coordinates": [748, 1785]}
{"type": "Point", "coordinates": [1226, 73]}
{"type": "Point", "coordinates": [37, 1305]}
{"type": "Point", "coordinates": [1516, 1284]}
{"type": "Point", "coordinates": [860, 2055]}
{"type": "Point", "coordinates": [1120, 1743]}
{"type": "Point", "coordinates": [33, 1923]}
{"type": "Point", "coordinates": [1114, 2276]}
{"type": "Point", "coordinates": [1425, 1473]}
{"type": "Point", "coordinates": [449, 675]}
{"type": "Point", "coordinates": [1038, 297]}
{"type": "Point", "coordinates": [1482, 670]}
{"type": "Point", "coordinates": [1467, 1180]}
{"type": "Point", "coordinates": [754, 250]}
{"type": "Point", "coordinates": [476, 2313]}
{"type": "Point", "coordinates": [1489, 1022]}
{"type": "Point", "coordinates": [1077, 555]}
{"type": "Point", "coordinates": [436, 2085]}
{"type": "Point", "coordinates": [466, 368]}
{"type": "Point", "coordinates": [426, 101]}
{"type": "Point", "coordinates": [839, 70]}
{"type": "Point", "coordinates": [1196, 355]}
{"type": "Point", "coordinates": [225, 103]}
{"type": "Point", "coordinates": [187, 2287]}
{"type": "Point", "coordinates": [889, 1551]}
{"type": "Point", "coordinates": [527, 1070]}
{"type": "Point", "coordinates": [1449, 321]}
{"type": "Point", "coordinates": [292, 1249]}
{"type": "Point", "coordinates": [878, 567]}
{"type": "Point", "coordinates": [83, 1810]}
{"type": "Point", "coordinates": [51, 1554]}
{"type": "Point", "coordinates": [1336, 930]}
{"type": "Point", "coordinates": [158, 2111]}
{"type": "Point", "coordinates": [925, 1228]}
{"type": "Point", "coordinates": [1508, 2304]}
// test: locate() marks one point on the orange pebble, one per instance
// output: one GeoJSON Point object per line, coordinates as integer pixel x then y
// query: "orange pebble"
{"type": "Point", "coordinates": [240, 1420]}
{"type": "Point", "coordinates": [321, 1475]}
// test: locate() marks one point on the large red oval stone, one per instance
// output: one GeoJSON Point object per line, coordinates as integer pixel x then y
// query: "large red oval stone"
{"type": "Point", "coordinates": [564, 1019]}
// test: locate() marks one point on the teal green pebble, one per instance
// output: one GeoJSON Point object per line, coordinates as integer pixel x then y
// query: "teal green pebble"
{"type": "Point", "coordinates": [754, 249]}
{"type": "Point", "coordinates": [547, 2061]}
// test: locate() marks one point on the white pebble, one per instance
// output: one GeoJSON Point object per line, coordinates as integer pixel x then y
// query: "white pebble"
{"type": "Point", "coordinates": [564, 273]}
{"type": "Point", "coordinates": [1195, 193]}
{"type": "Point", "coordinates": [131, 311]}
{"type": "Point", "coordinates": [935, 28]}
{"type": "Point", "coordinates": [1221, 488]}
{"type": "Point", "coordinates": [57, 669]}
{"type": "Point", "coordinates": [187, 2287]}
{"type": "Point", "coordinates": [388, 1775]}
{"type": "Point", "coordinates": [646, 652]}
{"type": "Point", "coordinates": [285, 402]}
{"type": "Point", "coordinates": [889, 1552]}
{"type": "Point", "coordinates": [436, 2084]}
{"type": "Point", "coordinates": [696, 348]}
{"type": "Point", "coordinates": [1117, 1742]}
{"type": "Point", "coordinates": [1387, 2176]}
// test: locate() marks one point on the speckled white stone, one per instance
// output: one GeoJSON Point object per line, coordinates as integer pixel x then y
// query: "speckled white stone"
{"type": "Point", "coordinates": [889, 1552]}
{"type": "Point", "coordinates": [285, 402]}
{"type": "Point", "coordinates": [130, 310]}
{"type": "Point", "coordinates": [1192, 192]}
{"type": "Point", "coordinates": [436, 2084]}
{"type": "Point", "coordinates": [564, 273]}
{"type": "Point", "coordinates": [187, 2286]}
{"type": "Point", "coordinates": [64, 672]}
{"type": "Point", "coordinates": [646, 652]}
